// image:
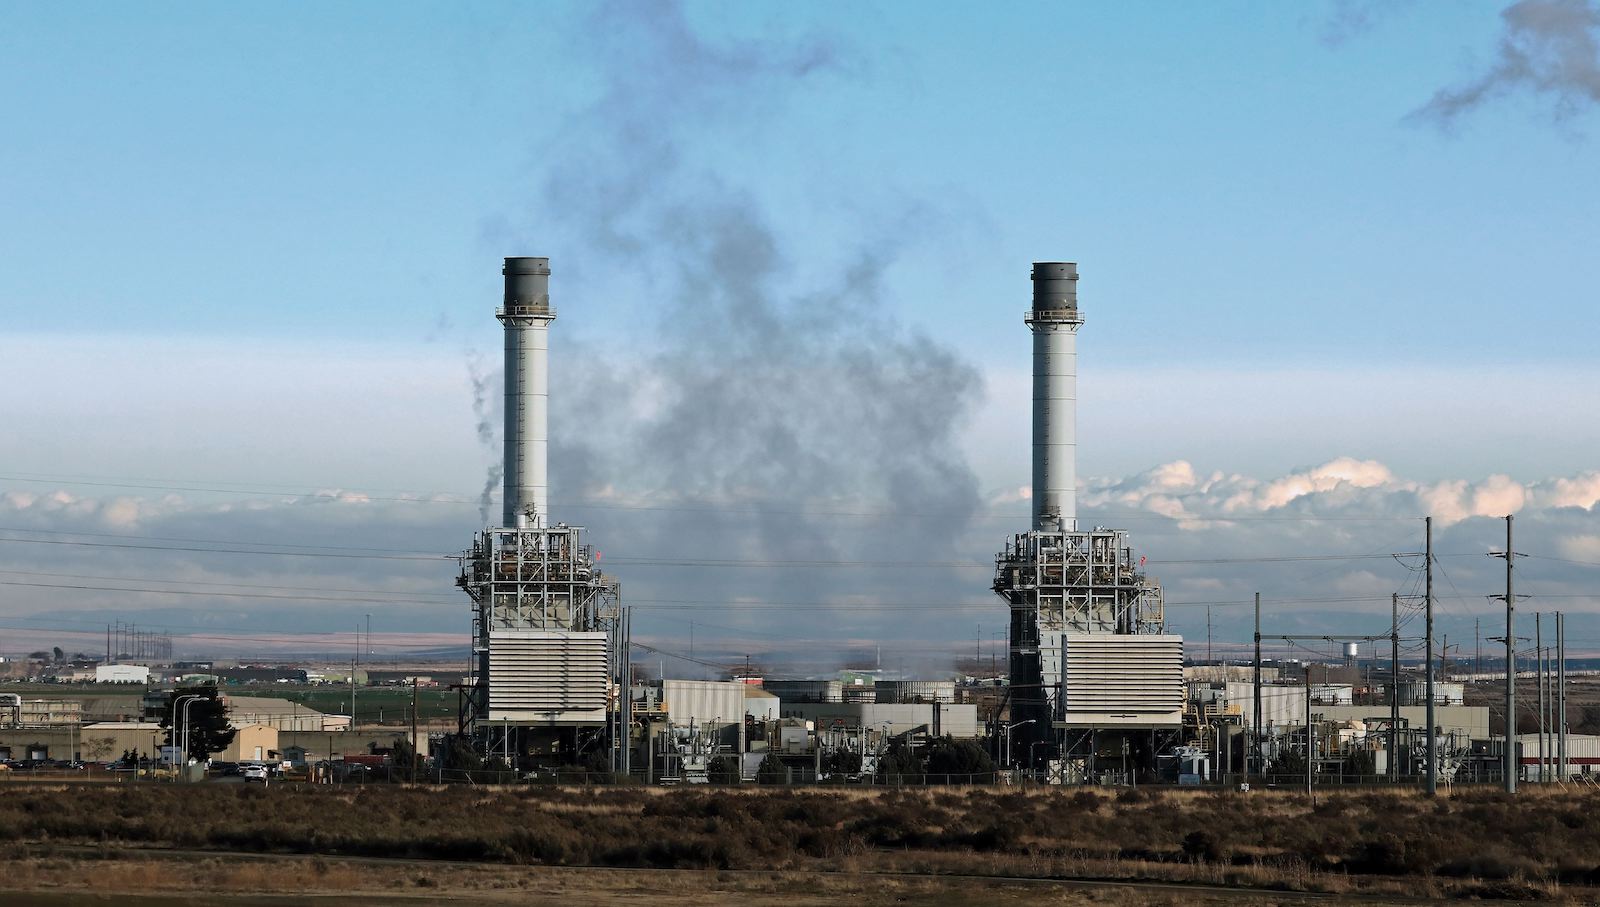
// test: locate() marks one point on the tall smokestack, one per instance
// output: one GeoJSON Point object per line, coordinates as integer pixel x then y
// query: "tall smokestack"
{"type": "Point", "coordinates": [526, 314]}
{"type": "Point", "coordinates": [1054, 321]}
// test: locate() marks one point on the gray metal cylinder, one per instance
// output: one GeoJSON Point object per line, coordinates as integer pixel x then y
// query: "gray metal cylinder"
{"type": "Point", "coordinates": [1054, 321]}
{"type": "Point", "coordinates": [527, 282]}
{"type": "Point", "coordinates": [1055, 286]}
{"type": "Point", "coordinates": [526, 316]}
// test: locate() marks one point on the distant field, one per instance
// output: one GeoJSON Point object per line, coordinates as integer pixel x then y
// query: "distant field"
{"type": "Point", "coordinates": [1389, 843]}
{"type": "Point", "coordinates": [374, 705]}
{"type": "Point", "coordinates": [386, 705]}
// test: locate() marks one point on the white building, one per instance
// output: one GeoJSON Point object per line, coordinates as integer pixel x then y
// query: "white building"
{"type": "Point", "coordinates": [117, 673]}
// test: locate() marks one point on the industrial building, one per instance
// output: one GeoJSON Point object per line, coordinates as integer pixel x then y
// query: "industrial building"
{"type": "Point", "coordinates": [1088, 653]}
{"type": "Point", "coordinates": [283, 714]}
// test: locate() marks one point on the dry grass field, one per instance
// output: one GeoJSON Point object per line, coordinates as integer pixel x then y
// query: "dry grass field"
{"type": "Point", "coordinates": [1378, 844]}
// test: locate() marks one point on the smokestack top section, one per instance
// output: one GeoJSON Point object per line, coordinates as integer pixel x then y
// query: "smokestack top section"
{"type": "Point", "coordinates": [1054, 321]}
{"type": "Point", "coordinates": [1055, 289]}
{"type": "Point", "coordinates": [527, 284]}
{"type": "Point", "coordinates": [526, 316]}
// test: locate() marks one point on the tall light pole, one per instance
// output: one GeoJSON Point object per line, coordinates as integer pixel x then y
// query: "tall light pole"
{"type": "Point", "coordinates": [1009, 729]}
{"type": "Point", "coordinates": [180, 705]}
{"type": "Point", "coordinates": [185, 753]}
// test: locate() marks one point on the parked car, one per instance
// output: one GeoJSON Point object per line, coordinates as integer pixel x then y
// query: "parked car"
{"type": "Point", "coordinates": [255, 773]}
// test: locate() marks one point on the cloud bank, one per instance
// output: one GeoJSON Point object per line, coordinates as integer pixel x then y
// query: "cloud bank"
{"type": "Point", "coordinates": [1213, 538]}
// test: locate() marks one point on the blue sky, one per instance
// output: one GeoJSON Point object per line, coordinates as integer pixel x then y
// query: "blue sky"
{"type": "Point", "coordinates": [1235, 186]}
{"type": "Point", "coordinates": [257, 247]}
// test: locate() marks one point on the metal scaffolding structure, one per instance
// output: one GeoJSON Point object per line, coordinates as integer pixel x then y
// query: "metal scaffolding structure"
{"type": "Point", "coordinates": [544, 617]}
{"type": "Point", "coordinates": [1063, 589]}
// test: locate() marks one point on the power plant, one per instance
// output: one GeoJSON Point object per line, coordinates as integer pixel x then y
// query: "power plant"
{"type": "Point", "coordinates": [545, 620]}
{"type": "Point", "coordinates": [1087, 649]}
{"type": "Point", "coordinates": [1094, 690]}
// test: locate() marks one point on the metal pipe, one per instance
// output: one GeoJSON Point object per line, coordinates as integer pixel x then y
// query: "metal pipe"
{"type": "Point", "coordinates": [526, 315]}
{"type": "Point", "coordinates": [1054, 320]}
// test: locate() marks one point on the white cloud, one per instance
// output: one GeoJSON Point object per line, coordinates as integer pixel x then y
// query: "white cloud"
{"type": "Point", "coordinates": [1341, 487]}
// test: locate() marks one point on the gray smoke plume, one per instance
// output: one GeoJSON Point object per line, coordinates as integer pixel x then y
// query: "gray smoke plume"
{"type": "Point", "coordinates": [775, 395]}
{"type": "Point", "coordinates": [1350, 19]}
{"type": "Point", "coordinates": [482, 410]}
{"type": "Point", "coordinates": [1548, 47]}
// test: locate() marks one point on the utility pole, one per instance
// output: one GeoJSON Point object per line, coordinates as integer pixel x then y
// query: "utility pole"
{"type": "Point", "coordinates": [627, 692]}
{"type": "Point", "coordinates": [1477, 649]}
{"type": "Point", "coordinates": [1433, 739]}
{"type": "Point", "coordinates": [414, 758]}
{"type": "Point", "coordinates": [1510, 598]}
{"type": "Point", "coordinates": [1561, 695]}
{"type": "Point", "coordinates": [1394, 687]}
{"type": "Point", "coordinates": [1538, 685]}
{"type": "Point", "coordinates": [1208, 635]}
{"type": "Point", "coordinates": [1310, 737]}
{"type": "Point", "coordinates": [1255, 726]}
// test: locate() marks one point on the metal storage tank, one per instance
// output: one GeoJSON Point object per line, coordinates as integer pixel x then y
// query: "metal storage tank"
{"type": "Point", "coordinates": [707, 704]}
{"type": "Point", "coordinates": [900, 691]}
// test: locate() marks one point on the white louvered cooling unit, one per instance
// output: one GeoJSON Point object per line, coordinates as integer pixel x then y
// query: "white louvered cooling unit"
{"type": "Point", "coordinates": [1115, 679]}
{"type": "Point", "coordinates": [547, 677]}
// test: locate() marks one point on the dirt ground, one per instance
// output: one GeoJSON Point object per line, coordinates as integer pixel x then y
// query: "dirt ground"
{"type": "Point", "coordinates": [194, 880]}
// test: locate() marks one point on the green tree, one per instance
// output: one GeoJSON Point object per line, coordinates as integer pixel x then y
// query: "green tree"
{"type": "Point", "coordinates": [959, 762]}
{"type": "Point", "coordinates": [899, 763]}
{"type": "Point", "coordinates": [770, 771]}
{"type": "Point", "coordinates": [723, 770]}
{"type": "Point", "coordinates": [199, 714]}
{"type": "Point", "coordinates": [1292, 762]}
{"type": "Point", "coordinates": [402, 760]}
{"type": "Point", "coordinates": [841, 764]}
{"type": "Point", "coordinates": [1361, 762]}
